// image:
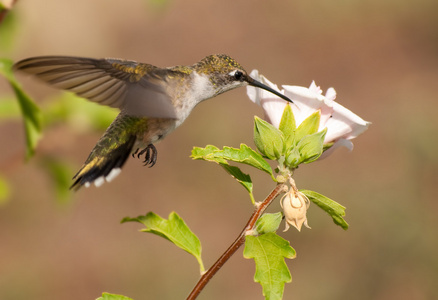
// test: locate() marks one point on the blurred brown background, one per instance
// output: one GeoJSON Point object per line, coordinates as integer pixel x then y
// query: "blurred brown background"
{"type": "Point", "coordinates": [380, 56]}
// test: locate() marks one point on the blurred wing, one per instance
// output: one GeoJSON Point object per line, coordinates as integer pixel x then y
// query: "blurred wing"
{"type": "Point", "coordinates": [127, 85]}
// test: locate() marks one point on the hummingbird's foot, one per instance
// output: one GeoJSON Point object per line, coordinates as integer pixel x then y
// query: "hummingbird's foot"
{"type": "Point", "coordinates": [150, 155]}
{"type": "Point", "coordinates": [134, 153]}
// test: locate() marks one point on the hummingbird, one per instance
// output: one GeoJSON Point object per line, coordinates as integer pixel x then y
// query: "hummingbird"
{"type": "Point", "coordinates": [153, 101]}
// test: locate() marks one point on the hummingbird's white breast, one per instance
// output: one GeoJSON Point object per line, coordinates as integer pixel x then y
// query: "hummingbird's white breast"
{"type": "Point", "coordinates": [199, 89]}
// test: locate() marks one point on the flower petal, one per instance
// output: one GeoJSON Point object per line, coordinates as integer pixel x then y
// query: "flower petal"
{"type": "Point", "coordinates": [273, 109]}
{"type": "Point", "coordinates": [257, 94]}
{"type": "Point", "coordinates": [344, 124]}
{"type": "Point", "coordinates": [339, 143]}
{"type": "Point", "coordinates": [306, 102]}
{"type": "Point", "coordinates": [330, 94]}
{"type": "Point", "coordinates": [314, 88]}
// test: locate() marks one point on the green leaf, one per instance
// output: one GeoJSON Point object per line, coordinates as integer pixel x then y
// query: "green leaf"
{"type": "Point", "coordinates": [207, 154]}
{"type": "Point", "coordinates": [213, 154]}
{"type": "Point", "coordinates": [268, 223]}
{"type": "Point", "coordinates": [30, 111]}
{"type": "Point", "coordinates": [334, 209]}
{"type": "Point", "coordinates": [268, 139]}
{"type": "Point", "coordinates": [309, 126]}
{"type": "Point", "coordinates": [32, 120]}
{"type": "Point", "coordinates": [288, 126]}
{"type": "Point", "coordinates": [108, 296]}
{"type": "Point", "coordinates": [268, 251]}
{"type": "Point", "coordinates": [174, 230]}
{"type": "Point", "coordinates": [242, 178]}
{"type": "Point", "coordinates": [244, 155]}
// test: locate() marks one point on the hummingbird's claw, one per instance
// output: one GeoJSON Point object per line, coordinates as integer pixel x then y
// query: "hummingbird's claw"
{"type": "Point", "coordinates": [150, 155]}
{"type": "Point", "coordinates": [135, 152]}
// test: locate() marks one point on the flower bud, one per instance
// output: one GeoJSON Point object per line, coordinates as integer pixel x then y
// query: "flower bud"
{"type": "Point", "coordinates": [268, 139]}
{"type": "Point", "coordinates": [295, 205]}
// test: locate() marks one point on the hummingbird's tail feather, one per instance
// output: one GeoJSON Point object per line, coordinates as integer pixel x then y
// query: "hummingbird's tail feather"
{"type": "Point", "coordinates": [101, 167]}
{"type": "Point", "coordinates": [111, 151]}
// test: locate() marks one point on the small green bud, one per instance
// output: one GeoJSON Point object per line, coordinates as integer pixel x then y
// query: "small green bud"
{"type": "Point", "coordinates": [268, 223]}
{"type": "Point", "coordinates": [268, 139]}
{"type": "Point", "coordinates": [308, 149]}
{"type": "Point", "coordinates": [293, 158]}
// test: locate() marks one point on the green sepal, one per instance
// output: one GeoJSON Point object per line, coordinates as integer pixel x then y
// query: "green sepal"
{"type": "Point", "coordinates": [108, 296]}
{"type": "Point", "coordinates": [327, 146]}
{"type": "Point", "coordinates": [288, 126]}
{"type": "Point", "coordinates": [30, 111]}
{"type": "Point", "coordinates": [311, 146]}
{"type": "Point", "coordinates": [268, 139]}
{"type": "Point", "coordinates": [174, 230]}
{"type": "Point", "coordinates": [309, 126]}
{"type": "Point", "coordinates": [268, 222]}
{"type": "Point", "coordinates": [334, 209]}
{"type": "Point", "coordinates": [268, 251]}
{"type": "Point", "coordinates": [308, 149]}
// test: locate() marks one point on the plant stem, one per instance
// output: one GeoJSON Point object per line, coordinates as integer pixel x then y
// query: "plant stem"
{"type": "Point", "coordinates": [205, 278]}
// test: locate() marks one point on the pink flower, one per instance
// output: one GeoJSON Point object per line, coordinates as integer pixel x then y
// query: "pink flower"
{"type": "Point", "coordinates": [341, 123]}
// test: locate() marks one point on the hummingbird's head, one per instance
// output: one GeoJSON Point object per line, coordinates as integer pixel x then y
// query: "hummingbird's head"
{"type": "Point", "coordinates": [226, 74]}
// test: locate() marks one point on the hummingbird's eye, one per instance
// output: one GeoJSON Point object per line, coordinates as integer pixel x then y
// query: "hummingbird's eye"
{"type": "Point", "coordinates": [238, 75]}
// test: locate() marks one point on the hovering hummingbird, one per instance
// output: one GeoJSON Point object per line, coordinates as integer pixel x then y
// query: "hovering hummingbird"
{"type": "Point", "coordinates": [153, 101]}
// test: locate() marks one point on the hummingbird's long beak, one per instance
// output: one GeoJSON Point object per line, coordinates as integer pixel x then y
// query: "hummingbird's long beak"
{"type": "Point", "coordinates": [258, 84]}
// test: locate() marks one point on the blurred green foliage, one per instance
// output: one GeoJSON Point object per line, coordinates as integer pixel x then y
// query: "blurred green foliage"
{"type": "Point", "coordinates": [4, 191]}
{"type": "Point", "coordinates": [8, 30]}
{"type": "Point", "coordinates": [108, 296]}
{"type": "Point", "coordinates": [67, 108]}
{"type": "Point", "coordinates": [30, 111]}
